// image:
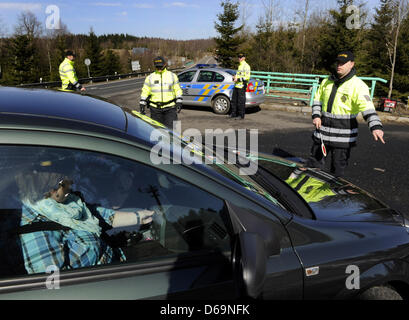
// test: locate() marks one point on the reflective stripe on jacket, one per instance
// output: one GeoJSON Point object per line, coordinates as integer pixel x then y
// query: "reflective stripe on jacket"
{"type": "Point", "coordinates": [243, 74]}
{"type": "Point", "coordinates": [68, 75]}
{"type": "Point", "coordinates": [162, 87]}
{"type": "Point", "coordinates": [339, 111]}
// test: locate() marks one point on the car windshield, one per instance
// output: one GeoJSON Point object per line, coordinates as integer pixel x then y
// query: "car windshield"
{"type": "Point", "coordinates": [188, 150]}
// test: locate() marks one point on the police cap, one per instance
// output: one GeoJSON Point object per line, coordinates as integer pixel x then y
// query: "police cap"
{"type": "Point", "coordinates": [345, 56]}
{"type": "Point", "coordinates": [159, 62]}
{"type": "Point", "coordinates": [69, 53]}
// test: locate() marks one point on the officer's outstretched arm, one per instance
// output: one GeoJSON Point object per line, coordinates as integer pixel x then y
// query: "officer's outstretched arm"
{"type": "Point", "coordinates": [367, 108]}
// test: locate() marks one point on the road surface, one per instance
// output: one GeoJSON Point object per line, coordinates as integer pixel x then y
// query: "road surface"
{"type": "Point", "coordinates": [123, 86]}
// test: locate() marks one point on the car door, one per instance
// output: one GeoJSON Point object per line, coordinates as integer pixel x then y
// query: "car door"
{"type": "Point", "coordinates": [185, 80]}
{"type": "Point", "coordinates": [184, 253]}
{"type": "Point", "coordinates": [203, 88]}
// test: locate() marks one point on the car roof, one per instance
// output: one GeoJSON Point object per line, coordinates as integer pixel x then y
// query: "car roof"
{"type": "Point", "coordinates": [43, 104]}
{"type": "Point", "coordinates": [210, 68]}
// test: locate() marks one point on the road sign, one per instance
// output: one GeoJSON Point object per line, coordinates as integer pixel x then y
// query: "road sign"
{"type": "Point", "coordinates": [87, 63]}
{"type": "Point", "coordinates": [135, 65]}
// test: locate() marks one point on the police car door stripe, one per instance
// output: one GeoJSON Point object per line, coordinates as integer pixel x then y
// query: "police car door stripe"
{"type": "Point", "coordinates": [206, 93]}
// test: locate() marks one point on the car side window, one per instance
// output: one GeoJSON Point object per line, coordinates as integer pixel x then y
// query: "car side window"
{"type": "Point", "coordinates": [187, 76]}
{"type": "Point", "coordinates": [205, 76]}
{"type": "Point", "coordinates": [72, 209]}
{"type": "Point", "coordinates": [218, 77]}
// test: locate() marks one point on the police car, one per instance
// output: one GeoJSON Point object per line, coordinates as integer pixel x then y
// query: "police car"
{"type": "Point", "coordinates": [210, 86]}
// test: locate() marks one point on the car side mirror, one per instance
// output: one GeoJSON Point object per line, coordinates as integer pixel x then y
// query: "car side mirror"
{"type": "Point", "coordinates": [255, 224]}
{"type": "Point", "coordinates": [252, 263]}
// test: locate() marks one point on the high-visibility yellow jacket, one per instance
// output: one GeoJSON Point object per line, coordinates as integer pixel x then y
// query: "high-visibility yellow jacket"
{"type": "Point", "coordinates": [338, 104]}
{"type": "Point", "coordinates": [162, 88]}
{"type": "Point", "coordinates": [243, 74]}
{"type": "Point", "coordinates": [68, 75]}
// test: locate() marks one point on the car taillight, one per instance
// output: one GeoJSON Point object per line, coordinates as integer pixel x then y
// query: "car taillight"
{"type": "Point", "coordinates": [250, 87]}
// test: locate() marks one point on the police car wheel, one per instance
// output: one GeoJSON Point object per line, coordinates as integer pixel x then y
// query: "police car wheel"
{"type": "Point", "coordinates": [221, 105]}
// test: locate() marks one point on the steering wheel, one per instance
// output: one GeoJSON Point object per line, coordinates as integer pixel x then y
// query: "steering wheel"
{"type": "Point", "coordinates": [149, 231]}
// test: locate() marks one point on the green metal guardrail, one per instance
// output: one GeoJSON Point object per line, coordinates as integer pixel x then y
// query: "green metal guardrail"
{"type": "Point", "coordinates": [307, 84]}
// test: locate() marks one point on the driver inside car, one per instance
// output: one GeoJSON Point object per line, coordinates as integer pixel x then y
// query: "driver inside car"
{"type": "Point", "coordinates": [62, 231]}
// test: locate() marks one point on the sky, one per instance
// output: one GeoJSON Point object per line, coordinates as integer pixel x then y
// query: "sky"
{"type": "Point", "coordinates": [168, 19]}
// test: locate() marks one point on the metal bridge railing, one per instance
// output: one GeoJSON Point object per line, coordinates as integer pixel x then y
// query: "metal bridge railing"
{"type": "Point", "coordinates": [305, 84]}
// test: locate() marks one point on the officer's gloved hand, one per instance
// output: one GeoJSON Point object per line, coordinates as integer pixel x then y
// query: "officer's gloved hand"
{"type": "Point", "coordinates": [142, 108]}
{"type": "Point", "coordinates": [178, 107]}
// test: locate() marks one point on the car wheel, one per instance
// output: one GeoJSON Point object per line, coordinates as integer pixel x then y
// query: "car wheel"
{"type": "Point", "coordinates": [221, 105]}
{"type": "Point", "coordinates": [380, 293]}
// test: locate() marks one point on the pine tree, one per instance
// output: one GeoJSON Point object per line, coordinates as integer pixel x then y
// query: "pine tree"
{"type": "Point", "coordinates": [111, 63]}
{"type": "Point", "coordinates": [22, 61]}
{"type": "Point", "coordinates": [58, 56]}
{"type": "Point", "coordinates": [261, 53]}
{"type": "Point", "coordinates": [228, 43]}
{"type": "Point", "coordinates": [340, 35]}
{"type": "Point", "coordinates": [93, 51]}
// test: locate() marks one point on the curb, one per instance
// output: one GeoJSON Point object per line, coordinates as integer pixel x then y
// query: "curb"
{"type": "Point", "coordinates": [382, 116]}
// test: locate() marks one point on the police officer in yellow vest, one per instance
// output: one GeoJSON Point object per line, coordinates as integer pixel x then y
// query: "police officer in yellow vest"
{"type": "Point", "coordinates": [241, 79]}
{"type": "Point", "coordinates": [162, 94]}
{"type": "Point", "coordinates": [67, 74]}
{"type": "Point", "coordinates": [337, 104]}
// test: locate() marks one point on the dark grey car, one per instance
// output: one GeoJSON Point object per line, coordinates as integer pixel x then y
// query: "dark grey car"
{"type": "Point", "coordinates": [285, 232]}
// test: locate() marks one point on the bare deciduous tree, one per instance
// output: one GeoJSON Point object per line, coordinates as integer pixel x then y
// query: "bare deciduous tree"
{"type": "Point", "coordinates": [28, 24]}
{"type": "Point", "coordinates": [245, 14]}
{"type": "Point", "coordinates": [400, 12]}
{"type": "Point", "coordinates": [271, 13]}
{"type": "Point", "coordinates": [3, 28]}
{"type": "Point", "coordinates": [304, 25]}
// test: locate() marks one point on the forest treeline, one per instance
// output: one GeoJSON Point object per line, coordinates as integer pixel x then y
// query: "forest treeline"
{"type": "Point", "coordinates": [32, 53]}
{"type": "Point", "coordinates": [307, 44]}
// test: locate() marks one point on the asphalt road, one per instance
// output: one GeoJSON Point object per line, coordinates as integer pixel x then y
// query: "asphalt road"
{"type": "Point", "coordinates": [112, 88]}
{"type": "Point", "coordinates": [124, 86]}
